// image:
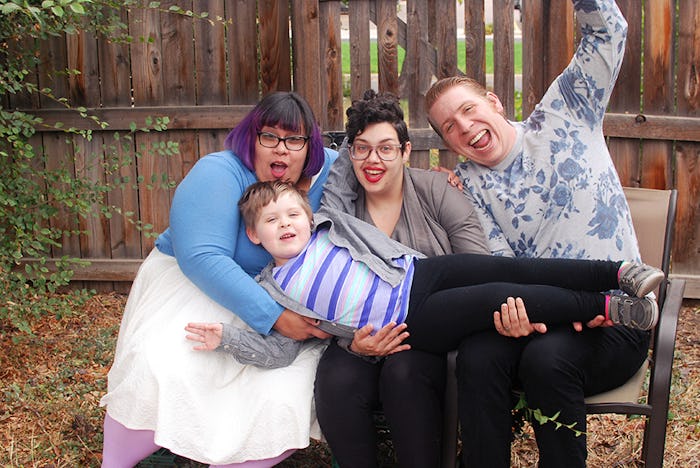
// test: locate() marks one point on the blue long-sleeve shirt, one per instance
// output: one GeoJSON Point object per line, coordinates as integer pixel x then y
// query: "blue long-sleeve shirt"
{"type": "Point", "coordinates": [207, 236]}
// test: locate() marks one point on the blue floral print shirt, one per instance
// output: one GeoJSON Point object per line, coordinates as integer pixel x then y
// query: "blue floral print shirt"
{"type": "Point", "coordinates": [557, 193]}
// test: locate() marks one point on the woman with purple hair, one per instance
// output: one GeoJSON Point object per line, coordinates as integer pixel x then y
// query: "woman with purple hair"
{"type": "Point", "coordinates": [160, 392]}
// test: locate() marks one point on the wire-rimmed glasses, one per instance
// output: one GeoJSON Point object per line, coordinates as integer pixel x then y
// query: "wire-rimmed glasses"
{"type": "Point", "coordinates": [292, 142]}
{"type": "Point", "coordinates": [385, 151]}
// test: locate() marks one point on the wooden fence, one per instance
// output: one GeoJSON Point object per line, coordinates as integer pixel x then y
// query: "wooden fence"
{"type": "Point", "coordinates": [205, 75]}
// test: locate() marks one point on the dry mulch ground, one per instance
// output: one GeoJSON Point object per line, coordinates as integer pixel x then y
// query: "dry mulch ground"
{"type": "Point", "coordinates": [51, 384]}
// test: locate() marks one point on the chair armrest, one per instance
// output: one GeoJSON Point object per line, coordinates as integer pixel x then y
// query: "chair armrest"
{"type": "Point", "coordinates": [665, 342]}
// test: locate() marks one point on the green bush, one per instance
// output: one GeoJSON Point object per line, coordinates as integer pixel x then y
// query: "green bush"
{"type": "Point", "coordinates": [39, 198]}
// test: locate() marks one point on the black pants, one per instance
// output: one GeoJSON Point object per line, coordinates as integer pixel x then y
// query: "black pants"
{"type": "Point", "coordinates": [409, 386]}
{"type": "Point", "coordinates": [556, 370]}
{"type": "Point", "coordinates": [454, 296]}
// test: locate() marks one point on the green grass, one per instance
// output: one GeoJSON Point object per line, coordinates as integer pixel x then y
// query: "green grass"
{"type": "Point", "coordinates": [461, 60]}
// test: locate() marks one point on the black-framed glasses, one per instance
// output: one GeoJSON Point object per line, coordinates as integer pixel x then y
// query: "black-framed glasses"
{"type": "Point", "coordinates": [292, 142]}
{"type": "Point", "coordinates": [385, 151]}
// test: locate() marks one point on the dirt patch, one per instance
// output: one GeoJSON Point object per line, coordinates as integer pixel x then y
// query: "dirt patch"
{"type": "Point", "coordinates": [51, 384]}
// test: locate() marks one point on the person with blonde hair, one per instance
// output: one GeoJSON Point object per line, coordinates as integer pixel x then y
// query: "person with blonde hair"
{"type": "Point", "coordinates": [544, 187]}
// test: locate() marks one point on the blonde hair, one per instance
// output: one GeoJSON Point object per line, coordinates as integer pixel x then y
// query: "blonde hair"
{"type": "Point", "coordinates": [260, 194]}
{"type": "Point", "coordinates": [441, 86]}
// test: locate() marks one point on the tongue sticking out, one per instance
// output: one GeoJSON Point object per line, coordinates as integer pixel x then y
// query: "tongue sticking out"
{"type": "Point", "coordinates": [483, 140]}
{"type": "Point", "coordinates": [278, 170]}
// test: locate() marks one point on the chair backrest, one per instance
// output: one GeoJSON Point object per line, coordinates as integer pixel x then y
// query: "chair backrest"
{"type": "Point", "coordinates": [653, 215]}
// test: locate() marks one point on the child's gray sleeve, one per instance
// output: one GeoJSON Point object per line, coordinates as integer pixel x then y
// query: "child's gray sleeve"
{"type": "Point", "coordinates": [249, 347]}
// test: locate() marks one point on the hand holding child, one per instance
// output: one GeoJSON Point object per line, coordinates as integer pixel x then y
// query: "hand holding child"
{"type": "Point", "coordinates": [383, 343]}
{"type": "Point", "coordinates": [512, 320]}
{"type": "Point", "coordinates": [208, 334]}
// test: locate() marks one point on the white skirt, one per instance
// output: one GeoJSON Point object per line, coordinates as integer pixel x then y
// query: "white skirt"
{"type": "Point", "coordinates": [202, 405]}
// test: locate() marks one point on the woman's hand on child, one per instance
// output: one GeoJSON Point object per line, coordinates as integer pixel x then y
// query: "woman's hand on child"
{"type": "Point", "coordinates": [208, 334]}
{"type": "Point", "coordinates": [512, 320]}
{"type": "Point", "coordinates": [383, 343]}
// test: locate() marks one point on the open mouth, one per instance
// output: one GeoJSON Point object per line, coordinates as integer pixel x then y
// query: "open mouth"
{"type": "Point", "coordinates": [278, 169]}
{"type": "Point", "coordinates": [479, 141]}
{"type": "Point", "coordinates": [373, 175]}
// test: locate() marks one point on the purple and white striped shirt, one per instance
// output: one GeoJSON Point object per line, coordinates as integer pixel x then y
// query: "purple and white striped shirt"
{"type": "Point", "coordinates": [327, 280]}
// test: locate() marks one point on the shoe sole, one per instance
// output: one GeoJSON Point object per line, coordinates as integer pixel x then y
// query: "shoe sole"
{"type": "Point", "coordinates": [654, 315]}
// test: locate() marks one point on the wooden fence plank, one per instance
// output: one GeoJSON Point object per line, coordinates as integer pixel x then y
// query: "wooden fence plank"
{"type": "Point", "coordinates": [115, 91]}
{"type": "Point", "coordinates": [210, 66]}
{"type": "Point", "coordinates": [332, 76]}
{"type": "Point", "coordinates": [178, 77]}
{"type": "Point", "coordinates": [99, 269]}
{"type": "Point", "coordinates": [125, 237]}
{"type": "Point", "coordinates": [658, 76]}
{"type": "Point", "coordinates": [59, 157]}
{"type": "Point", "coordinates": [443, 34]}
{"type": "Point", "coordinates": [275, 68]}
{"type": "Point", "coordinates": [305, 41]}
{"type": "Point", "coordinates": [642, 126]}
{"type": "Point", "coordinates": [210, 54]}
{"type": "Point", "coordinates": [360, 71]}
{"type": "Point", "coordinates": [686, 258]}
{"type": "Point", "coordinates": [686, 251]}
{"type": "Point", "coordinates": [242, 51]}
{"type": "Point", "coordinates": [179, 86]}
{"type": "Point", "coordinates": [84, 91]}
{"type": "Point", "coordinates": [626, 95]}
{"type": "Point", "coordinates": [417, 73]}
{"type": "Point", "coordinates": [23, 99]}
{"type": "Point", "coordinates": [503, 56]}
{"type": "Point", "coordinates": [387, 46]}
{"type": "Point", "coordinates": [57, 147]}
{"type": "Point", "coordinates": [475, 41]}
{"type": "Point", "coordinates": [559, 43]}
{"type": "Point", "coordinates": [211, 141]}
{"type": "Point", "coordinates": [534, 84]}
{"type": "Point", "coordinates": [146, 59]}
{"type": "Point", "coordinates": [114, 71]}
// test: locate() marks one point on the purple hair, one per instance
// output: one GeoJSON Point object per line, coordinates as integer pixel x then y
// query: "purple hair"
{"type": "Point", "coordinates": [286, 110]}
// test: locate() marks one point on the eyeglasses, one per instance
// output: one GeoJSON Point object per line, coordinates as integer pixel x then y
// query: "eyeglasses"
{"type": "Point", "coordinates": [292, 142]}
{"type": "Point", "coordinates": [386, 152]}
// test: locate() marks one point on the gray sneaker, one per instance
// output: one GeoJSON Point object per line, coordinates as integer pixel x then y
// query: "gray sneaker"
{"type": "Point", "coordinates": [641, 313]}
{"type": "Point", "coordinates": [639, 279]}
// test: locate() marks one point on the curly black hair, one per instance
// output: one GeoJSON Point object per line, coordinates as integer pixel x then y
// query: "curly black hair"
{"type": "Point", "coordinates": [375, 108]}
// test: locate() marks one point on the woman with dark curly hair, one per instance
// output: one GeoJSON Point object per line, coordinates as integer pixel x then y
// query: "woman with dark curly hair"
{"type": "Point", "coordinates": [421, 210]}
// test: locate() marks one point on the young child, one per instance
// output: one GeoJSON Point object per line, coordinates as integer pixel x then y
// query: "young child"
{"type": "Point", "coordinates": [347, 276]}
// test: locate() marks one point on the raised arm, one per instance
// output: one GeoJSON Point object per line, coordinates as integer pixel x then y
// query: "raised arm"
{"type": "Point", "coordinates": [587, 82]}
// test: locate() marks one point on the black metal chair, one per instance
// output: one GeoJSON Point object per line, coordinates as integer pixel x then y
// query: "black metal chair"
{"type": "Point", "coordinates": [653, 215]}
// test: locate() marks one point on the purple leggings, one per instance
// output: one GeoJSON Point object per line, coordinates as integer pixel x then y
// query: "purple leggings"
{"type": "Point", "coordinates": [124, 448]}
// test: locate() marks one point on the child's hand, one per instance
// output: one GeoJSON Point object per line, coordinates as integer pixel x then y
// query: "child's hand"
{"type": "Point", "coordinates": [208, 334]}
